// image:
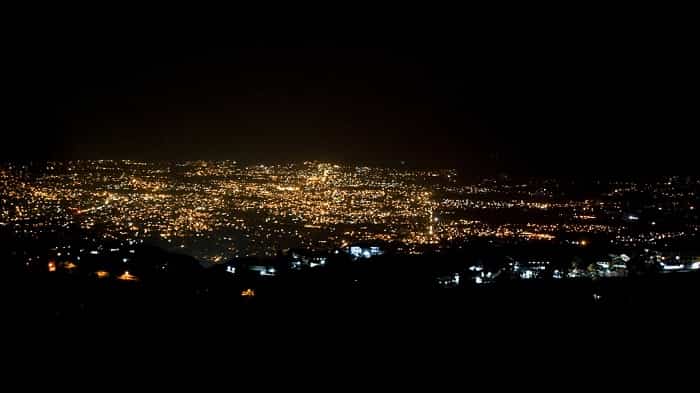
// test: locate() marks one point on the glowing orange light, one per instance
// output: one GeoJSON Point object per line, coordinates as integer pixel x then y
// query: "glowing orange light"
{"type": "Point", "coordinates": [128, 277]}
{"type": "Point", "coordinates": [102, 274]}
{"type": "Point", "coordinates": [248, 293]}
{"type": "Point", "coordinates": [52, 266]}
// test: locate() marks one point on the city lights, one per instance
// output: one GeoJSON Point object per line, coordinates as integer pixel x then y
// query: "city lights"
{"type": "Point", "coordinates": [218, 210]}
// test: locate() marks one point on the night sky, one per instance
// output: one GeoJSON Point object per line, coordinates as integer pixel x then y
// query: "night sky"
{"type": "Point", "coordinates": [600, 94]}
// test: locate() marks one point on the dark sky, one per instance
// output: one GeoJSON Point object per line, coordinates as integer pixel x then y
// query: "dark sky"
{"type": "Point", "coordinates": [598, 92]}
